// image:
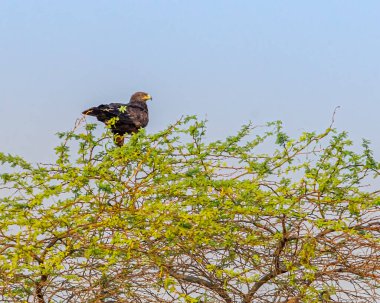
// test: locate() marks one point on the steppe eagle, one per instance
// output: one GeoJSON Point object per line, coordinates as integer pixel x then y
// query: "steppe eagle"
{"type": "Point", "coordinates": [123, 118]}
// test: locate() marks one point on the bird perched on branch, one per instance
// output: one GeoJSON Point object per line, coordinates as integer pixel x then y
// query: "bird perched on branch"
{"type": "Point", "coordinates": [123, 118]}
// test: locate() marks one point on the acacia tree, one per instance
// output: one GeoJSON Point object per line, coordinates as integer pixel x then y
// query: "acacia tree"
{"type": "Point", "coordinates": [171, 217]}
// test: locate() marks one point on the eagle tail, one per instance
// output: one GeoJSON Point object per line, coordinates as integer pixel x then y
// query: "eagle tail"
{"type": "Point", "coordinates": [93, 111]}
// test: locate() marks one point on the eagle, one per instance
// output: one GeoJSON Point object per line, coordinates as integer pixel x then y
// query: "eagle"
{"type": "Point", "coordinates": [123, 118]}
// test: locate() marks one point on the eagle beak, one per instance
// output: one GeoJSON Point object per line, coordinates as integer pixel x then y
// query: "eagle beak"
{"type": "Point", "coordinates": [148, 97]}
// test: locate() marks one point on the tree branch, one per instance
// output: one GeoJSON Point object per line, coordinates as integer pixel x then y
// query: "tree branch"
{"type": "Point", "coordinates": [195, 280]}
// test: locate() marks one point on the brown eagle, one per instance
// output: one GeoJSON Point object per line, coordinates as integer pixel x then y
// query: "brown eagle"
{"type": "Point", "coordinates": [123, 118]}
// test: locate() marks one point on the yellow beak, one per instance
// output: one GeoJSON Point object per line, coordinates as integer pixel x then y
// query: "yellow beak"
{"type": "Point", "coordinates": [148, 97]}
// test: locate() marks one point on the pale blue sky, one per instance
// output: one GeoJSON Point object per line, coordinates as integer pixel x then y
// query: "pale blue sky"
{"type": "Point", "coordinates": [229, 61]}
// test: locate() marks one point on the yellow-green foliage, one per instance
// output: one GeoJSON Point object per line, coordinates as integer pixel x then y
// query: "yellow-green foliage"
{"type": "Point", "coordinates": [171, 217]}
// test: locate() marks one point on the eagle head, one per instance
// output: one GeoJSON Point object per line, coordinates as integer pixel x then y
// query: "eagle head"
{"type": "Point", "coordinates": [140, 97]}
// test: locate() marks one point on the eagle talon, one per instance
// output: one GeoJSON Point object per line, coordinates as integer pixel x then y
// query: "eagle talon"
{"type": "Point", "coordinates": [119, 140]}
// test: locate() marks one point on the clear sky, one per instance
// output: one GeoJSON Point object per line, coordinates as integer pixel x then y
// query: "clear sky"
{"type": "Point", "coordinates": [229, 61]}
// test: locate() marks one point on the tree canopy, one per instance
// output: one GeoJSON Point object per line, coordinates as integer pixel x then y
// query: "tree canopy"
{"type": "Point", "coordinates": [171, 217]}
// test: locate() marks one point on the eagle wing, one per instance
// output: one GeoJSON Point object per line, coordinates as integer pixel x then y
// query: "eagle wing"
{"type": "Point", "coordinates": [105, 112]}
{"type": "Point", "coordinates": [130, 117]}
